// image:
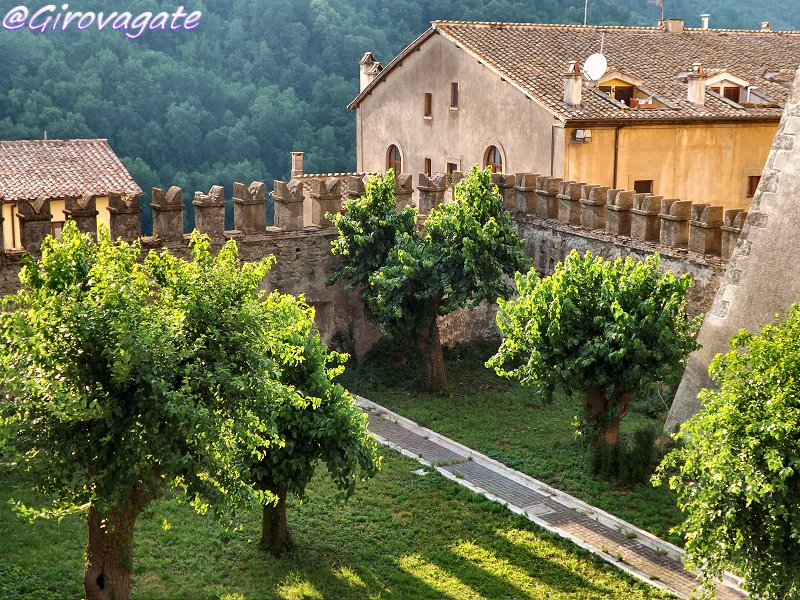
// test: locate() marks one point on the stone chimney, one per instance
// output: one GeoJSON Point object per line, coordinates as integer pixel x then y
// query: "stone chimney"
{"type": "Point", "coordinates": [573, 83]}
{"type": "Point", "coordinates": [673, 25]}
{"type": "Point", "coordinates": [697, 84]}
{"type": "Point", "coordinates": [369, 68]}
{"type": "Point", "coordinates": [766, 26]}
{"type": "Point", "coordinates": [704, 21]}
{"type": "Point", "coordinates": [297, 164]}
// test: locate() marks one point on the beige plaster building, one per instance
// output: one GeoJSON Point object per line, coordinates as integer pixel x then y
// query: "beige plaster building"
{"type": "Point", "coordinates": [679, 112]}
{"type": "Point", "coordinates": [56, 170]}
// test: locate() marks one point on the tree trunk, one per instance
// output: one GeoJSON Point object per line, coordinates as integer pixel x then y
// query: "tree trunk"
{"type": "Point", "coordinates": [109, 554]}
{"type": "Point", "coordinates": [605, 413]}
{"type": "Point", "coordinates": [274, 529]}
{"type": "Point", "coordinates": [430, 346]}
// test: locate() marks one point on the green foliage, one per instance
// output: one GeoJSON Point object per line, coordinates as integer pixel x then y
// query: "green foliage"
{"type": "Point", "coordinates": [616, 326]}
{"type": "Point", "coordinates": [112, 392]}
{"type": "Point", "coordinates": [737, 473]}
{"type": "Point", "coordinates": [463, 256]}
{"type": "Point", "coordinates": [630, 461]}
{"type": "Point", "coordinates": [325, 425]}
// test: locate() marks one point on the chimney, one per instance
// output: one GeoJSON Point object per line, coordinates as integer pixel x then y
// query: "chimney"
{"type": "Point", "coordinates": [766, 26]}
{"type": "Point", "coordinates": [297, 164]}
{"type": "Point", "coordinates": [697, 84]}
{"type": "Point", "coordinates": [573, 83]}
{"type": "Point", "coordinates": [673, 25]}
{"type": "Point", "coordinates": [704, 21]}
{"type": "Point", "coordinates": [366, 66]}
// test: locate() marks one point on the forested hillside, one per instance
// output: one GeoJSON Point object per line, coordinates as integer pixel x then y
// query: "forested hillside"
{"type": "Point", "coordinates": [259, 78]}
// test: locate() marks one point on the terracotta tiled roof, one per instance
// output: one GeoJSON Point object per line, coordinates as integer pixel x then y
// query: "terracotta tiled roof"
{"type": "Point", "coordinates": [57, 168]}
{"type": "Point", "coordinates": [533, 58]}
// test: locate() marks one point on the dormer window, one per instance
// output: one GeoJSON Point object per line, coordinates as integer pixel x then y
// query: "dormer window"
{"type": "Point", "coordinates": [628, 90]}
{"type": "Point", "coordinates": [736, 90]}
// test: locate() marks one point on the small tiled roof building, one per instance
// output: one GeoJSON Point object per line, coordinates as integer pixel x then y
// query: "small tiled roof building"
{"type": "Point", "coordinates": [679, 112]}
{"type": "Point", "coordinates": [56, 170]}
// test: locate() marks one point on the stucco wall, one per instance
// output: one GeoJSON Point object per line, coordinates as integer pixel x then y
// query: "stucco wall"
{"type": "Point", "coordinates": [11, 237]}
{"type": "Point", "coordinates": [490, 112]}
{"type": "Point", "coordinates": [702, 163]}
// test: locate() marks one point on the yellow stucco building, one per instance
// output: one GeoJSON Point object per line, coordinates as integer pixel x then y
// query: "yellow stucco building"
{"type": "Point", "coordinates": [56, 170]}
{"type": "Point", "coordinates": [681, 112]}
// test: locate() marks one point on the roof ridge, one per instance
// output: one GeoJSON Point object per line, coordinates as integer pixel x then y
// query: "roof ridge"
{"type": "Point", "coordinates": [436, 23]}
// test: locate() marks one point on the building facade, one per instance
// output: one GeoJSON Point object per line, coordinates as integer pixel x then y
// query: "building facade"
{"type": "Point", "coordinates": [678, 112]}
{"type": "Point", "coordinates": [59, 171]}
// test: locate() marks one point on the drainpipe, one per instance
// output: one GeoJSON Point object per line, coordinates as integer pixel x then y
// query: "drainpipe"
{"type": "Point", "coordinates": [616, 154]}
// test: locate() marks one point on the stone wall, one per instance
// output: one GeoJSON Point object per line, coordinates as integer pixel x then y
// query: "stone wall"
{"type": "Point", "coordinates": [763, 279]}
{"type": "Point", "coordinates": [554, 216]}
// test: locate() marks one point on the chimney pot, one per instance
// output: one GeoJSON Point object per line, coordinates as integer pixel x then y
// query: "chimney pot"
{"type": "Point", "coordinates": [297, 164]}
{"type": "Point", "coordinates": [766, 26]}
{"type": "Point", "coordinates": [673, 25]}
{"type": "Point", "coordinates": [573, 83]}
{"type": "Point", "coordinates": [366, 67]}
{"type": "Point", "coordinates": [704, 20]}
{"type": "Point", "coordinates": [697, 84]}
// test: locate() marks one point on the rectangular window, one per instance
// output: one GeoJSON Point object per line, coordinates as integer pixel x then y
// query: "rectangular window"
{"type": "Point", "coordinates": [451, 167]}
{"type": "Point", "coordinates": [643, 186]}
{"type": "Point", "coordinates": [453, 95]}
{"type": "Point", "coordinates": [55, 229]}
{"type": "Point", "coordinates": [428, 104]}
{"type": "Point", "coordinates": [715, 89]}
{"type": "Point", "coordinates": [731, 93]}
{"type": "Point", "coordinates": [428, 167]}
{"type": "Point", "coordinates": [752, 185]}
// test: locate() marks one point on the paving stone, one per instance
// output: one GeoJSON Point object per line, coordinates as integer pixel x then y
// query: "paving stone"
{"type": "Point", "coordinates": [609, 541]}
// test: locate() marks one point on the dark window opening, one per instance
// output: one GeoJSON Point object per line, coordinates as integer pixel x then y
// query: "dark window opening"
{"type": "Point", "coordinates": [732, 93]}
{"type": "Point", "coordinates": [752, 185]}
{"type": "Point", "coordinates": [643, 186]}
{"type": "Point", "coordinates": [453, 95]}
{"type": "Point", "coordinates": [428, 167]}
{"type": "Point", "coordinates": [428, 104]}
{"type": "Point", "coordinates": [620, 93]}
{"type": "Point", "coordinates": [493, 159]}
{"type": "Point", "coordinates": [393, 160]}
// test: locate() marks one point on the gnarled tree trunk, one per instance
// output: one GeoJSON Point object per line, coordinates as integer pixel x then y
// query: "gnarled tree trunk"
{"type": "Point", "coordinates": [430, 347]}
{"type": "Point", "coordinates": [605, 412]}
{"type": "Point", "coordinates": [274, 529]}
{"type": "Point", "coordinates": [109, 554]}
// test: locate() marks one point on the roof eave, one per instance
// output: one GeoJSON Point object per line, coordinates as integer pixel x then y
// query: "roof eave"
{"type": "Point", "coordinates": [393, 64]}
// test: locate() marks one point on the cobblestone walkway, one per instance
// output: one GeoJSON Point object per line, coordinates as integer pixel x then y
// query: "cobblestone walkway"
{"type": "Point", "coordinates": [633, 550]}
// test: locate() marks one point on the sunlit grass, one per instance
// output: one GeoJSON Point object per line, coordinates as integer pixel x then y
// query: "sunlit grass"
{"type": "Point", "coordinates": [400, 537]}
{"type": "Point", "coordinates": [510, 423]}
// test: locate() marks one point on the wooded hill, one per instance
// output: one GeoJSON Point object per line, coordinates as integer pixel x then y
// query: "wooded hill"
{"type": "Point", "coordinates": [259, 78]}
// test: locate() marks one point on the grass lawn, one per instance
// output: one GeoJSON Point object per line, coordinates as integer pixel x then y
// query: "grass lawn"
{"type": "Point", "coordinates": [510, 423]}
{"type": "Point", "coordinates": [401, 536]}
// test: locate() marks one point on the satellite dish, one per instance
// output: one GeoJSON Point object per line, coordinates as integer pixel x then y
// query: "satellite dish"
{"type": "Point", "coordinates": [595, 66]}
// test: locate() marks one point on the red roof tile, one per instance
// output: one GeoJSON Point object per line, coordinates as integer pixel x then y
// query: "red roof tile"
{"type": "Point", "coordinates": [57, 168]}
{"type": "Point", "coordinates": [533, 58]}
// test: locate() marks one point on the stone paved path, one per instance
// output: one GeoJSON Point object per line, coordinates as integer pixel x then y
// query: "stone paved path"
{"type": "Point", "coordinates": [629, 548]}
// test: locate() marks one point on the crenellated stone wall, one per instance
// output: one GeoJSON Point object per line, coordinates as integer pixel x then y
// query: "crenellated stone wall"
{"type": "Point", "coordinates": [552, 215]}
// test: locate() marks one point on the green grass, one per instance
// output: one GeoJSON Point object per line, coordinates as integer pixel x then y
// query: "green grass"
{"type": "Point", "coordinates": [510, 423]}
{"type": "Point", "coordinates": [401, 536]}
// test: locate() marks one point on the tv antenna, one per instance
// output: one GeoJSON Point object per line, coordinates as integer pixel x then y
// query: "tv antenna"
{"type": "Point", "coordinates": [659, 3]}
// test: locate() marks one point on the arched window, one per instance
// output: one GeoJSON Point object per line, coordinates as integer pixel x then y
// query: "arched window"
{"type": "Point", "coordinates": [393, 160]}
{"type": "Point", "coordinates": [493, 159]}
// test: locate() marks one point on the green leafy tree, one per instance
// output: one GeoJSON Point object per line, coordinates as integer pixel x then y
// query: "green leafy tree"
{"type": "Point", "coordinates": [109, 400]}
{"type": "Point", "coordinates": [407, 278]}
{"type": "Point", "coordinates": [320, 425]}
{"type": "Point", "coordinates": [597, 328]}
{"type": "Point", "coordinates": [737, 472]}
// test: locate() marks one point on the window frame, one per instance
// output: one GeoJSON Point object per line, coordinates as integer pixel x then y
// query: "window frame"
{"type": "Point", "coordinates": [454, 95]}
{"type": "Point", "coordinates": [497, 166]}
{"type": "Point", "coordinates": [427, 108]}
{"type": "Point", "coordinates": [391, 161]}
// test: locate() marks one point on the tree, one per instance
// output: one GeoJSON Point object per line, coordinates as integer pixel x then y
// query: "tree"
{"type": "Point", "coordinates": [109, 400]}
{"type": "Point", "coordinates": [737, 472]}
{"type": "Point", "coordinates": [407, 278]}
{"type": "Point", "coordinates": [597, 328]}
{"type": "Point", "coordinates": [322, 425]}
